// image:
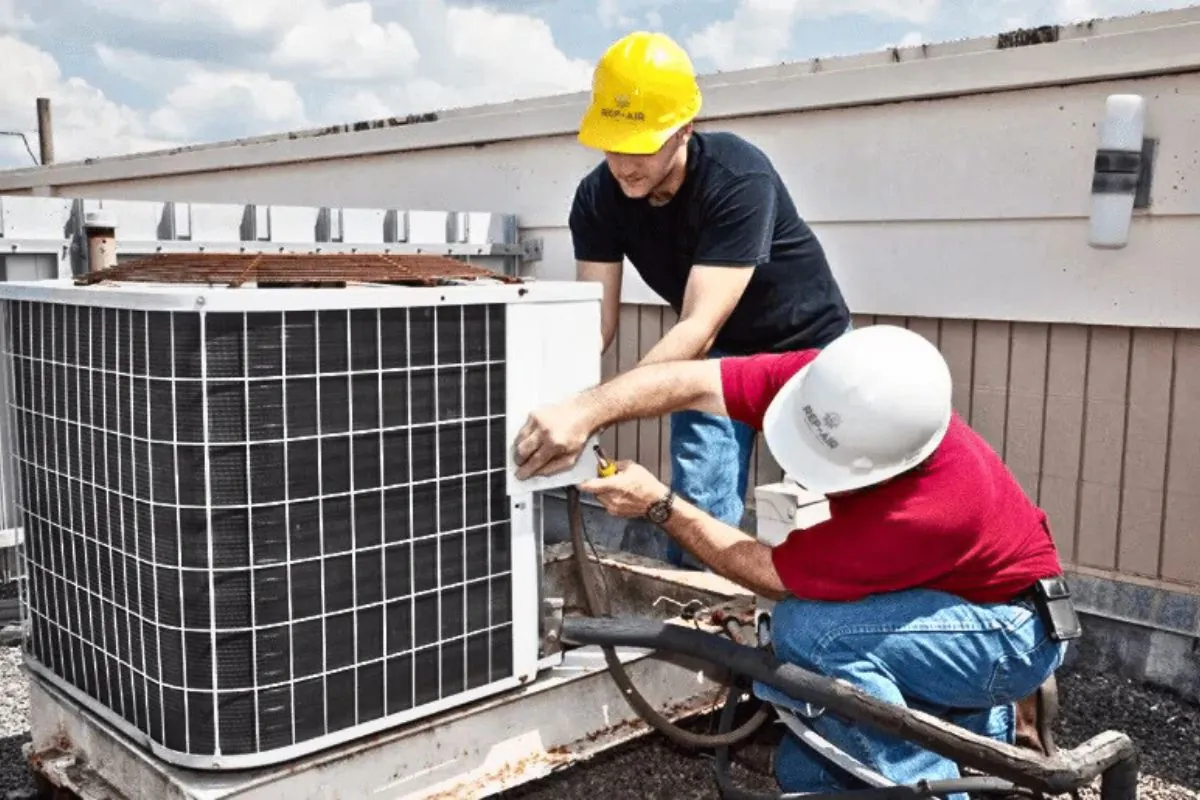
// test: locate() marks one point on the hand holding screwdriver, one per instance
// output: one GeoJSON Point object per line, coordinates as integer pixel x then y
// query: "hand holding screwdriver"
{"type": "Point", "coordinates": [604, 468]}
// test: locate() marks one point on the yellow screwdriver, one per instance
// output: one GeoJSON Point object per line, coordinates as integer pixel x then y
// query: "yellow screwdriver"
{"type": "Point", "coordinates": [605, 468]}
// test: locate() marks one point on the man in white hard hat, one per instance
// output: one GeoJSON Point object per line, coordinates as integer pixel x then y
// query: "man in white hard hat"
{"type": "Point", "coordinates": [935, 583]}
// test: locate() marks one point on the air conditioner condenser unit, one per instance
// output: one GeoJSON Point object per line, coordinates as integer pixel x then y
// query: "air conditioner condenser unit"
{"type": "Point", "coordinates": [263, 521]}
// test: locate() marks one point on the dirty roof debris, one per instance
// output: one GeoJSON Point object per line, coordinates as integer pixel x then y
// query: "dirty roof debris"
{"type": "Point", "coordinates": [295, 269]}
{"type": "Point", "coordinates": [1025, 37]}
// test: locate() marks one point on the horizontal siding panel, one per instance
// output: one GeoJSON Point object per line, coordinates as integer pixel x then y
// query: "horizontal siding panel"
{"type": "Point", "coordinates": [1099, 424]}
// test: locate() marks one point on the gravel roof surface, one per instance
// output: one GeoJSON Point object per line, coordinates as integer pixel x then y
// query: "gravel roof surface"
{"type": "Point", "coordinates": [14, 724]}
{"type": "Point", "coordinates": [1165, 727]}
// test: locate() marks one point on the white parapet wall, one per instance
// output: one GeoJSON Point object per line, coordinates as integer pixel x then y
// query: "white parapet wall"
{"type": "Point", "coordinates": [947, 180]}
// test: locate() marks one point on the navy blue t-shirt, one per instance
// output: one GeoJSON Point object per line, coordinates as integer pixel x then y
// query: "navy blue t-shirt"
{"type": "Point", "coordinates": [731, 210]}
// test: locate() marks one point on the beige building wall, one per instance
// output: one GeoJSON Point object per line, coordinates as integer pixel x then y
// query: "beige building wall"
{"type": "Point", "coordinates": [1100, 424]}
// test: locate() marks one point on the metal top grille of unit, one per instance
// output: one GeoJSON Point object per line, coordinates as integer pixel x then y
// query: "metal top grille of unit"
{"type": "Point", "coordinates": [295, 269]}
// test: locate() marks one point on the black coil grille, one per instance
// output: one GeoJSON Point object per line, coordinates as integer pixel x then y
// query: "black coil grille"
{"type": "Point", "coordinates": [348, 555]}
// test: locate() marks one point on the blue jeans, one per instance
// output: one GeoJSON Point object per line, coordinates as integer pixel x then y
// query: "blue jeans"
{"type": "Point", "coordinates": [710, 468]}
{"type": "Point", "coordinates": [929, 650]}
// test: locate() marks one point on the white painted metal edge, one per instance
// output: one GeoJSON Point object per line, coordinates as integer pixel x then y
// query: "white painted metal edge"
{"type": "Point", "coordinates": [553, 351]}
{"type": "Point", "coordinates": [177, 297]}
{"type": "Point", "coordinates": [1174, 46]}
{"type": "Point", "coordinates": [275, 756]}
{"type": "Point", "coordinates": [524, 583]}
{"type": "Point", "coordinates": [11, 537]}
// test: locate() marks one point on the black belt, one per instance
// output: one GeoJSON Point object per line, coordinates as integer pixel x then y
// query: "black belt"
{"type": "Point", "coordinates": [1051, 597]}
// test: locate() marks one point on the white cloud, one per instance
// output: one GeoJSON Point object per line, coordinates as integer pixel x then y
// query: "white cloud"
{"type": "Point", "coordinates": [1067, 11]}
{"type": "Point", "coordinates": [628, 15]}
{"type": "Point", "coordinates": [11, 19]}
{"type": "Point", "coordinates": [86, 123]}
{"type": "Point", "coordinates": [201, 102]}
{"type": "Point", "coordinates": [1010, 14]}
{"type": "Point", "coordinates": [345, 42]}
{"type": "Point", "coordinates": [207, 99]}
{"type": "Point", "coordinates": [242, 17]}
{"type": "Point", "coordinates": [267, 66]}
{"type": "Point", "coordinates": [468, 59]}
{"type": "Point", "coordinates": [481, 41]}
{"type": "Point", "coordinates": [759, 31]}
{"type": "Point", "coordinates": [612, 15]}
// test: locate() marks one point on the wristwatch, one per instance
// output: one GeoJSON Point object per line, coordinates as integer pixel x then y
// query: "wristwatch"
{"type": "Point", "coordinates": [660, 510]}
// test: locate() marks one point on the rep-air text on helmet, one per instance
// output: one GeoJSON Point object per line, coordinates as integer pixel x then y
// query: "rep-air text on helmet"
{"type": "Point", "coordinates": [873, 404]}
{"type": "Point", "coordinates": [643, 90]}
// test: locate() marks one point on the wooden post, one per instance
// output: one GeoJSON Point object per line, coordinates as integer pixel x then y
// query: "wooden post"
{"type": "Point", "coordinates": [45, 130]}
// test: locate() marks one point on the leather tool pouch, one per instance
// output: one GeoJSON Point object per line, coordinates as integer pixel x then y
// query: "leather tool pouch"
{"type": "Point", "coordinates": [1052, 597]}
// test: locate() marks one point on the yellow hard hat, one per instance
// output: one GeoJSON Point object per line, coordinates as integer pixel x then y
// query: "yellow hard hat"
{"type": "Point", "coordinates": [643, 90]}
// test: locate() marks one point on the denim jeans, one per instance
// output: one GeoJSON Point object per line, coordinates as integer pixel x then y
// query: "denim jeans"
{"type": "Point", "coordinates": [929, 650]}
{"type": "Point", "coordinates": [710, 468]}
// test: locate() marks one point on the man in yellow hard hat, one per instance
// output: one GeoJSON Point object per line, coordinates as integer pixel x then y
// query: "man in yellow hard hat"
{"type": "Point", "coordinates": [709, 225]}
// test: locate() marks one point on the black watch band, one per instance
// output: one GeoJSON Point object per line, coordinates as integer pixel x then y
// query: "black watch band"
{"type": "Point", "coordinates": [660, 510]}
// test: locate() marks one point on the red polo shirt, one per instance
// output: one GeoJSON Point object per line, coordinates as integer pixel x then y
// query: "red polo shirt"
{"type": "Point", "coordinates": [960, 523]}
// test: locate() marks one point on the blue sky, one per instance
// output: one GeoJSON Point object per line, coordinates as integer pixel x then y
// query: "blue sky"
{"type": "Point", "coordinates": [130, 75]}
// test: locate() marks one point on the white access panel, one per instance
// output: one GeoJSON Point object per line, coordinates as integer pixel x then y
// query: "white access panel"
{"type": "Point", "coordinates": [555, 351]}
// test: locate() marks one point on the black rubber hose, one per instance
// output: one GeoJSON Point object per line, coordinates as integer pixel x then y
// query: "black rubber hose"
{"type": "Point", "coordinates": [635, 699]}
{"type": "Point", "coordinates": [1109, 754]}
{"type": "Point", "coordinates": [970, 785]}
{"type": "Point", "coordinates": [1120, 781]}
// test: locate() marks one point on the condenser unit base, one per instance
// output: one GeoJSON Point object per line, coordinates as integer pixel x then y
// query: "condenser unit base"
{"type": "Point", "coordinates": [569, 713]}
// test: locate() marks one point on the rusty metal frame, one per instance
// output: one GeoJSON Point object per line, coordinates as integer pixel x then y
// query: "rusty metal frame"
{"type": "Point", "coordinates": [294, 270]}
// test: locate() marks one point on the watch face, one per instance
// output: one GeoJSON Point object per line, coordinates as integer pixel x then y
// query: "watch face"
{"type": "Point", "coordinates": [659, 512]}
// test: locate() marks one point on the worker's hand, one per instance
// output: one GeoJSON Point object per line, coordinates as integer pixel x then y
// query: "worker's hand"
{"type": "Point", "coordinates": [551, 439]}
{"type": "Point", "coordinates": [629, 493]}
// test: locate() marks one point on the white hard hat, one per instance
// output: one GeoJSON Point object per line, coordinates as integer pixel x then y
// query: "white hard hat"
{"type": "Point", "coordinates": [874, 403]}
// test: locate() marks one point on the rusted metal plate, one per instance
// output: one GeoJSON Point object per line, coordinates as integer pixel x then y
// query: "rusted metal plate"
{"type": "Point", "coordinates": [294, 269]}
